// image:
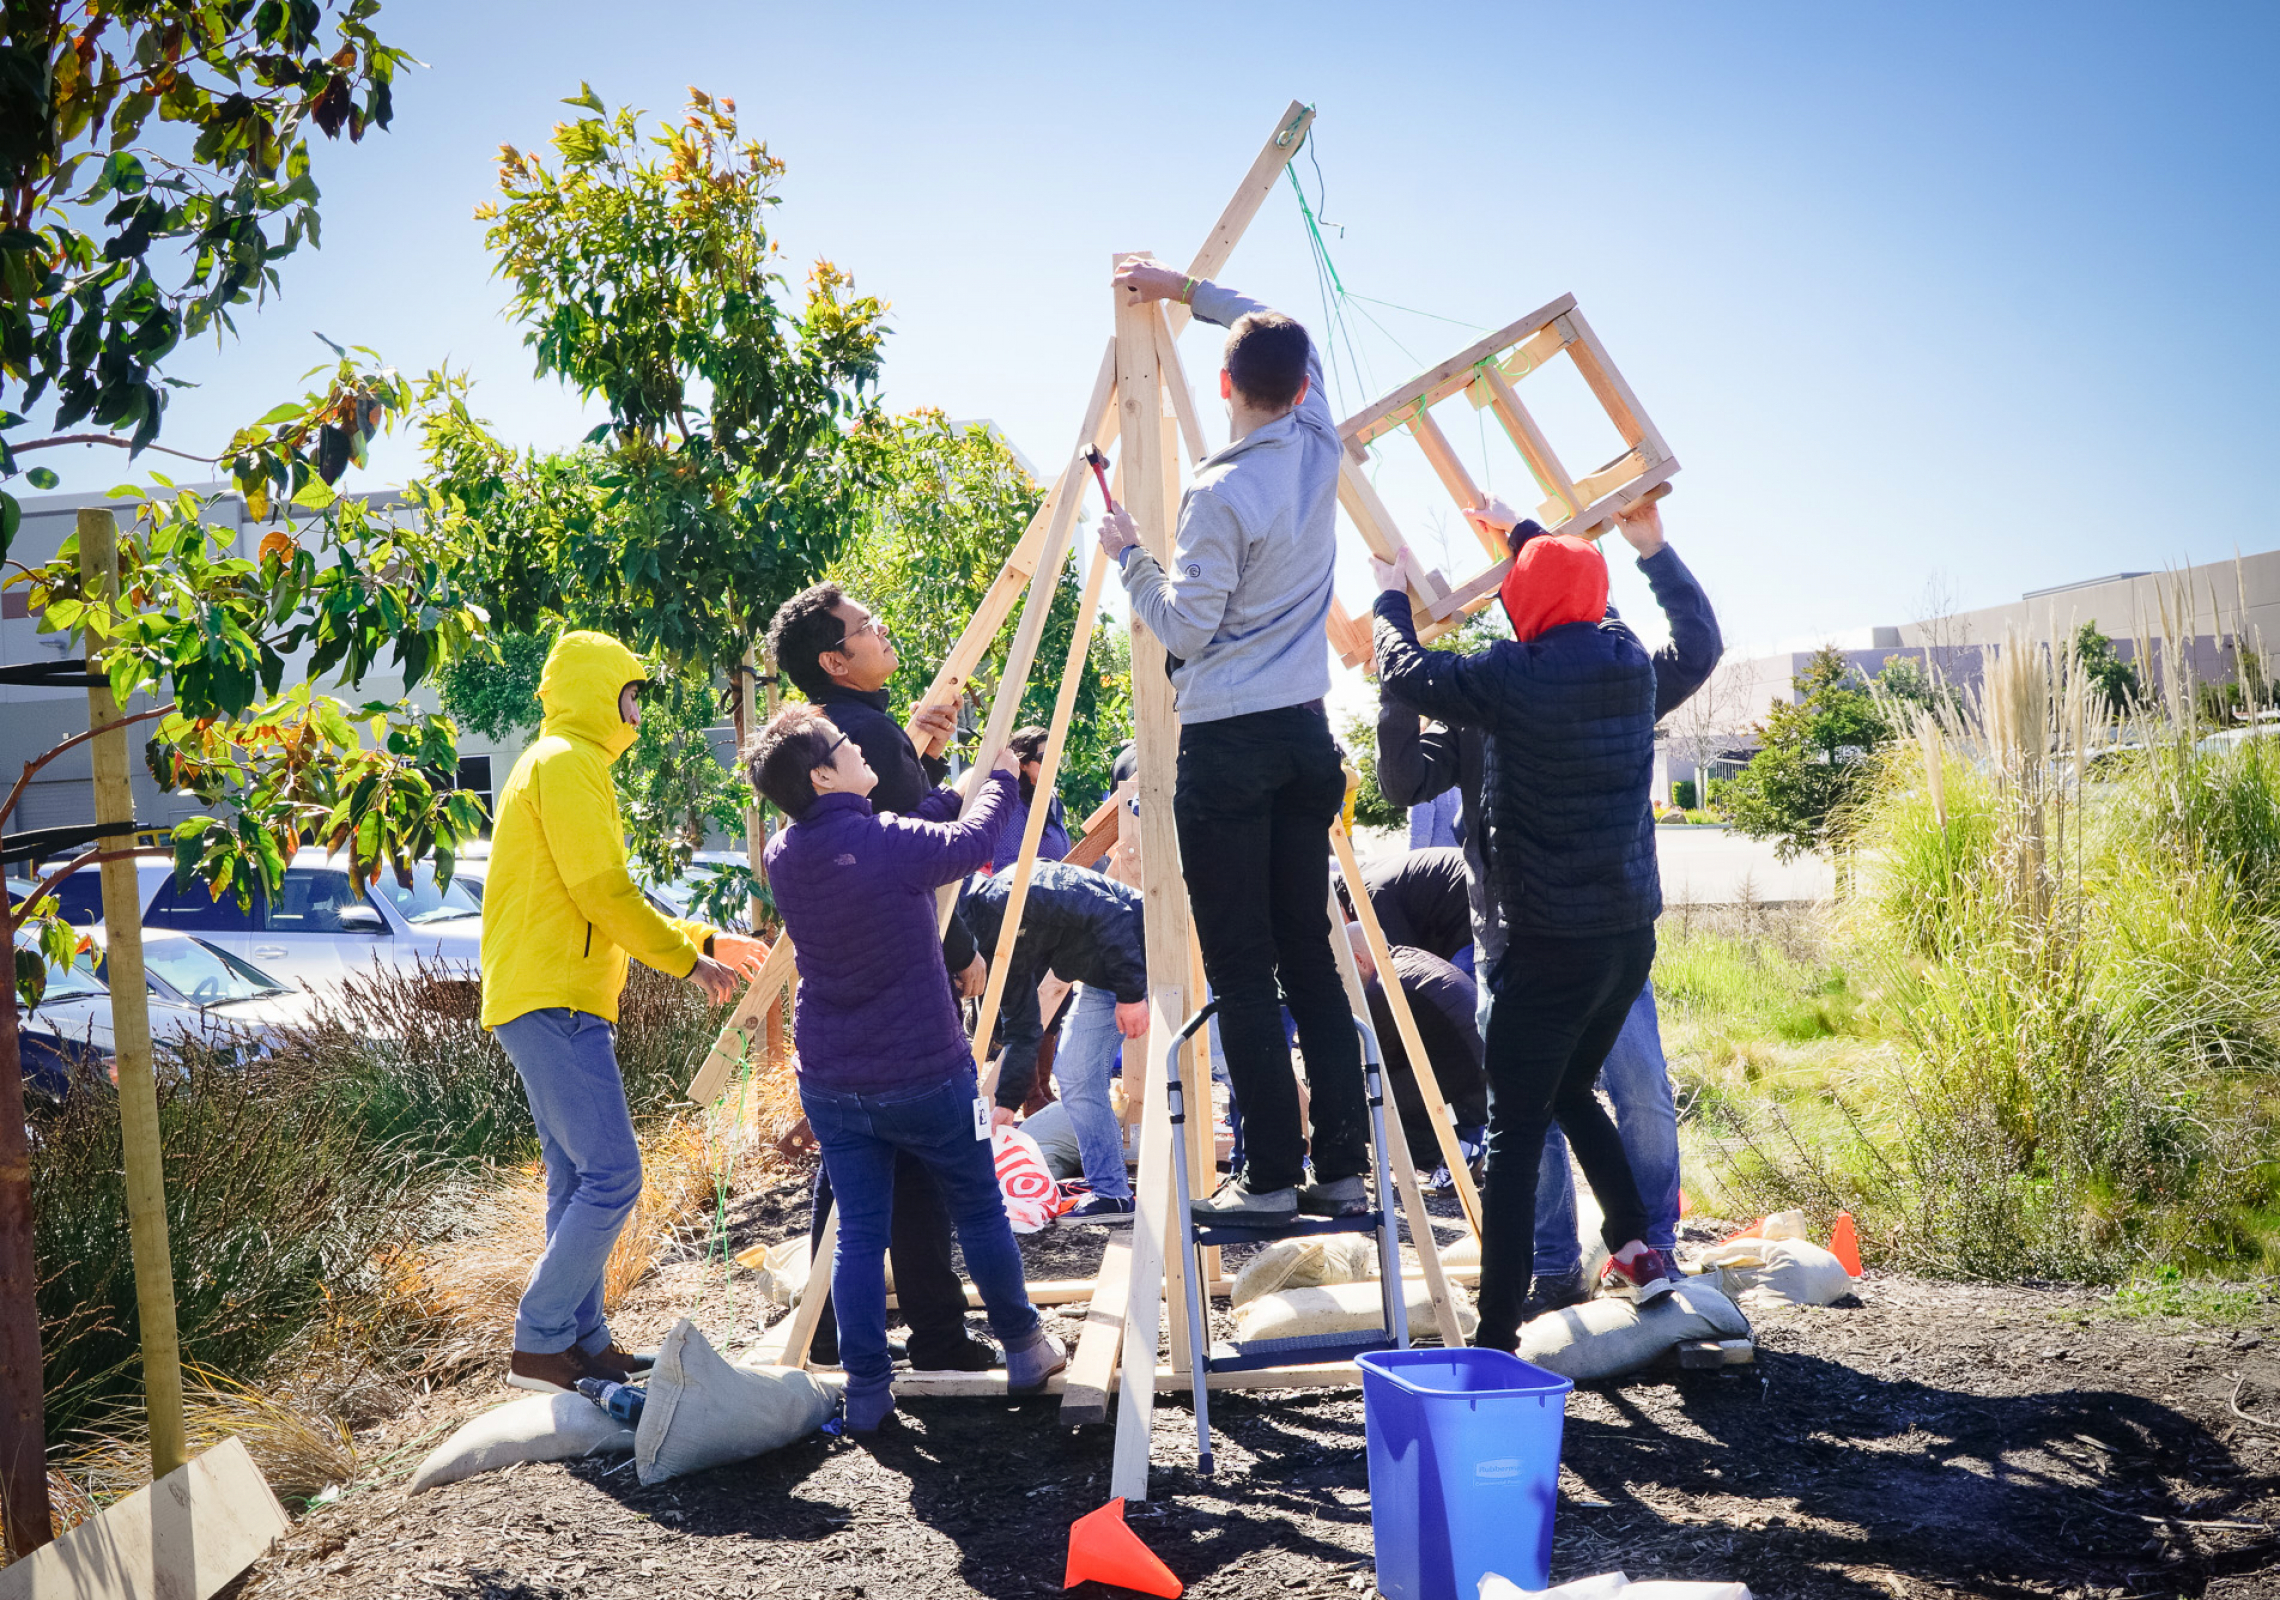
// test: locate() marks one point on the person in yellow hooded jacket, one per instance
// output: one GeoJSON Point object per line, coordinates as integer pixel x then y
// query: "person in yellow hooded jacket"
{"type": "Point", "coordinates": [561, 919]}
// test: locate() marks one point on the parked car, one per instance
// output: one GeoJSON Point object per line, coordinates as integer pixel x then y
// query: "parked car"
{"type": "Point", "coordinates": [321, 926]}
{"type": "Point", "coordinates": [199, 995]}
{"type": "Point", "coordinates": [671, 898]}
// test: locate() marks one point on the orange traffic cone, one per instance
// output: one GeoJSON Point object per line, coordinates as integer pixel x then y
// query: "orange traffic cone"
{"type": "Point", "coordinates": [1753, 1231]}
{"type": "Point", "coordinates": [1844, 1244]}
{"type": "Point", "coordinates": [1685, 1206]}
{"type": "Point", "coordinates": [1103, 1548]}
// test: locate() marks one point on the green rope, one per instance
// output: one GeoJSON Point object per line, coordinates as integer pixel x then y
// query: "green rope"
{"type": "Point", "coordinates": [1290, 171]}
{"type": "Point", "coordinates": [719, 1233]}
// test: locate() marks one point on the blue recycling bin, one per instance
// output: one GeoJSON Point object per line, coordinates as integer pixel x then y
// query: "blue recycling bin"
{"type": "Point", "coordinates": [1464, 1452]}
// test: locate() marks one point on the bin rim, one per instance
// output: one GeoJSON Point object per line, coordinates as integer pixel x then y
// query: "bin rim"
{"type": "Point", "coordinates": [1535, 1383]}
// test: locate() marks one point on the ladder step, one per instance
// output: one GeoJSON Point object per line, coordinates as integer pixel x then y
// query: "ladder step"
{"type": "Point", "coordinates": [1207, 1233]}
{"type": "Point", "coordinates": [1302, 1351]}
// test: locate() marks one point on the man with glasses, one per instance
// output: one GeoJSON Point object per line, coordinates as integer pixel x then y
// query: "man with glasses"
{"type": "Point", "coordinates": [841, 657]}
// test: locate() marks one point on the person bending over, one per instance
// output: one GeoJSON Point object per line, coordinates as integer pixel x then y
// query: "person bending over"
{"type": "Point", "coordinates": [884, 1067]}
{"type": "Point", "coordinates": [1086, 929]}
{"type": "Point", "coordinates": [1422, 899]}
{"type": "Point", "coordinates": [1241, 613]}
{"type": "Point", "coordinates": [560, 920]}
{"type": "Point", "coordinates": [1440, 997]}
{"type": "Point", "coordinates": [1053, 841]}
{"type": "Point", "coordinates": [841, 657]}
{"type": "Point", "coordinates": [1568, 709]}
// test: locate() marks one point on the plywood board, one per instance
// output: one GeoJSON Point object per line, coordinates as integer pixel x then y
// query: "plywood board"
{"type": "Point", "coordinates": [182, 1538]}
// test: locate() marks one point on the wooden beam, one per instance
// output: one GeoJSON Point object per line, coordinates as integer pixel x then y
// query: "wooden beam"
{"type": "Point", "coordinates": [741, 1033]}
{"type": "Point", "coordinates": [1096, 837]}
{"type": "Point", "coordinates": [1473, 593]}
{"type": "Point", "coordinates": [1092, 1366]}
{"type": "Point", "coordinates": [1597, 485]}
{"type": "Point", "coordinates": [991, 1385]}
{"type": "Point", "coordinates": [1266, 169]}
{"type": "Point", "coordinates": [185, 1537]}
{"type": "Point", "coordinates": [1156, 729]}
{"type": "Point", "coordinates": [1439, 382]}
{"type": "Point", "coordinates": [1623, 408]}
{"type": "Point", "coordinates": [1402, 1169]}
{"type": "Point", "coordinates": [1405, 1023]}
{"type": "Point", "coordinates": [1367, 512]}
{"type": "Point", "coordinates": [1529, 440]}
{"type": "Point", "coordinates": [1073, 1291]}
{"type": "Point", "coordinates": [1176, 385]}
{"type": "Point", "coordinates": [799, 1328]}
{"type": "Point", "coordinates": [1453, 476]}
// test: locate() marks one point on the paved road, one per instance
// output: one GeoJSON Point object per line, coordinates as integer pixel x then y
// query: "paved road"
{"type": "Point", "coordinates": [1715, 866]}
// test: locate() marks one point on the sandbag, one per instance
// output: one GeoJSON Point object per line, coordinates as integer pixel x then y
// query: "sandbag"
{"type": "Point", "coordinates": [701, 1411]}
{"type": "Point", "coordinates": [1771, 1272]}
{"type": "Point", "coordinates": [1608, 1338]}
{"type": "Point", "coordinates": [1344, 1308]}
{"type": "Point", "coordinates": [538, 1427]}
{"type": "Point", "coordinates": [1305, 1264]}
{"type": "Point", "coordinates": [783, 1272]}
{"type": "Point", "coordinates": [1612, 1586]}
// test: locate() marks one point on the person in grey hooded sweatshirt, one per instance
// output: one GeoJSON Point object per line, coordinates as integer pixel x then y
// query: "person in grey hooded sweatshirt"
{"type": "Point", "coordinates": [1241, 612]}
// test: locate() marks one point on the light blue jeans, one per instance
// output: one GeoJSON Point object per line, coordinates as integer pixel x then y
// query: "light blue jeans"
{"type": "Point", "coordinates": [1637, 1080]}
{"type": "Point", "coordinates": [859, 1134]}
{"type": "Point", "coordinates": [1089, 1050]}
{"type": "Point", "coordinates": [568, 1063]}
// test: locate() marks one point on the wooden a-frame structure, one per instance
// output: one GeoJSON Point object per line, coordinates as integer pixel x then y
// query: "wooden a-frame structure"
{"type": "Point", "coordinates": [1141, 404]}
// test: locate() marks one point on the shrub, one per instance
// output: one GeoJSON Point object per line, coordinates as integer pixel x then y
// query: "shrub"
{"type": "Point", "coordinates": [1682, 794]}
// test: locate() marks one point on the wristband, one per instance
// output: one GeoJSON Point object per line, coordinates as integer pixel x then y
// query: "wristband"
{"type": "Point", "coordinates": [1187, 293]}
{"type": "Point", "coordinates": [708, 946]}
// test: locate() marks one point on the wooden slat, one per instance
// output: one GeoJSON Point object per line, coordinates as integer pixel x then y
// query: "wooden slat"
{"type": "Point", "coordinates": [1529, 440]}
{"type": "Point", "coordinates": [1349, 635]}
{"type": "Point", "coordinates": [1597, 485]}
{"type": "Point", "coordinates": [1607, 382]}
{"type": "Point", "coordinates": [1453, 476]}
{"type": "Point", "coordinates": [1441, 381]}
{"type": "Point", "coordinates": [1367, 512]}
{"type": "Point", "coordinates": [991, 1385]}
{"type": "Point", "coordinates": [186, 1537]}
{"type": "Point", "coordinates": [1096, 837]}
{"type": "Point", "coordinates": [1400, 1167]}
{"type": "Point", "coordinates": [1266, 171]}
{"type": "Point", "coordinates": [1472, 593]}
{"type": "Point", "coordinates": [799, 1328]}
{"type": "Point", "coordinates": [1092, 1365]}
{"type": "Point", "coordinates": [1156, 728]}
{"type": "Point", "coordinates": [1176, 386]}
{"type": "Point", "coordinates": [742, 1030]}
{"type": "Point", "coordinates": [1405, 1022]}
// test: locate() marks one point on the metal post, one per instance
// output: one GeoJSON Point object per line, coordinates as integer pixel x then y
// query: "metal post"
{"type": "Point", "coordinates": [130, 1029]}
{"type": "Point", "coordinates": [1183, 1229]}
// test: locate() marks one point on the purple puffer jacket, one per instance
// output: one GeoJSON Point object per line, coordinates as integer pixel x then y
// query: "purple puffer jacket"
{"type": "Point", "coordinates": [856, 892]}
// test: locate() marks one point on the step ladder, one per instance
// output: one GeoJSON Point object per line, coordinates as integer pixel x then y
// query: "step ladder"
{"type": "Point", "coordinates": [1206, 1357]}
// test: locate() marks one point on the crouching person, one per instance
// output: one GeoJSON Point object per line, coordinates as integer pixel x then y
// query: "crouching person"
{"type": "Point", "coordinates": [883, 1065]}
{"type": "Point", "coordinates": [562, 919]}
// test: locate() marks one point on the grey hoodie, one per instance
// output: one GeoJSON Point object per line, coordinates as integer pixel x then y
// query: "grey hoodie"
{"type": "Point", "coordinates": [1249, 591]}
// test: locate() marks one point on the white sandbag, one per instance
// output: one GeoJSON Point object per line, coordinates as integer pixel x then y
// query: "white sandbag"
{"type": "Point", "coordinates": [783, 1273]}
{"type": "Point", "coordinates": [1344, 1308]}
{"type": "Point", "coordinates": [1612, 1586]}
{"type": "Point", "coordinates": [1784, 1225]}
{"type": "Point", "coordinates": [538, 1427]}
{"type": "Point", "coordinates": [1609, 1337]}
{"type": "Point", "coordinates": [1305, 1264]}
{"type": "Point", "coordinates": [1761, 1273]}
{"type": "Point", "coordinates": [701, 1411]}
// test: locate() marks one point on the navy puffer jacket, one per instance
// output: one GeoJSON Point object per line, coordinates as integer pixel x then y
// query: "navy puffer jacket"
{"type": "Point", "coordinates": [1081, 926]}
{"type": "Point", "coordinates": [1570, 750]}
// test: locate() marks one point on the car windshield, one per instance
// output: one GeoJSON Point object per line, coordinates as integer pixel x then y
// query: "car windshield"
{"type": "Point", "coordinates": [78, 981]}
{"type": "Point", "coordinates": [423, 901]}
{"type": "Point", "coordinates": [204, 975]}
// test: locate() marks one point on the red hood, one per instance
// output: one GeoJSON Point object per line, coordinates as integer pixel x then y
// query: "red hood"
{"type": "Point", "coordinates": [1556, 579]}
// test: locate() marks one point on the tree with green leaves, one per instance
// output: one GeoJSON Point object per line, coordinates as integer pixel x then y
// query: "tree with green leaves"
{"type": "Point", "coordinates": [134, 129]}
{"type": "Point", "coordinates": [945, 509]}
{"type": "Point", "coordinates": [1812, 759]}
{"type": "Point", "coordinates": [2113, 682]}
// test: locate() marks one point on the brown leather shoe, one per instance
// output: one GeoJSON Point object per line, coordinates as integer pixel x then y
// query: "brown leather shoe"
{"type": "Point", "coordinates": [622, 1366]}
{"type": "Point", "coordinates": [550, 1372]}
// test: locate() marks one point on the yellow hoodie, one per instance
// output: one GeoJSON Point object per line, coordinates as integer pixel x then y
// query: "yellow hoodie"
{"type": "Point", "coordinates": [560, 914]}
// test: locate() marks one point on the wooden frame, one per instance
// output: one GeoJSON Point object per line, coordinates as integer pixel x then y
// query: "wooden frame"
{"type": "Point", "coordinates": [1488, 372]}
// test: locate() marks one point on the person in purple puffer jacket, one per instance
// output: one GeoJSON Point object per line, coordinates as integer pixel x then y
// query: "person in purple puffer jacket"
{"type": "Point", "coordinates": [884, 1065]}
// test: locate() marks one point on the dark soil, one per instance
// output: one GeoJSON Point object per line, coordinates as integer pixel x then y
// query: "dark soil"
{"type": "Point", "coordinates": [1930, 1439]}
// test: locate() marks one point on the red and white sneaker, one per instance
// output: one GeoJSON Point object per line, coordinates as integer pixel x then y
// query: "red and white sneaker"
{"type": "Point", "coordinates": [1642, 1272]}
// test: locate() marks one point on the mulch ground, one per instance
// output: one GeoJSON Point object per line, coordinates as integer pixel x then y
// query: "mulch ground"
{"type": "Point", "coordinates": [1930, 1439]}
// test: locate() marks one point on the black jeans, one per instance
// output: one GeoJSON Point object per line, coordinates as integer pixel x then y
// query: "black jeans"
{"type": "Point", "coordinates": [927, 1286]}
{"type": "Point", "coordinates": [1255, 801]}
{"type": "Point", "coordinates": [1559, 1005]}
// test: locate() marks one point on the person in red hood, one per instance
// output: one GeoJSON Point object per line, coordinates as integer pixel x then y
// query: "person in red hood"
{"type": "Point", "coordinates": [1567, 708]}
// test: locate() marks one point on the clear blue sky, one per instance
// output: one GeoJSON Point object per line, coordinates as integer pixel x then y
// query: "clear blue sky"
{"type": "Point", "coordinates": [1982, 290]}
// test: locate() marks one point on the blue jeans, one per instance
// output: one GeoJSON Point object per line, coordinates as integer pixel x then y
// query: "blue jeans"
{"type": "Point", "coordinates": [1637, 1080]}
{"type": "Point", "coordinates": [568, 1063]}
{"type": "Point", "coordinates": [859, 1135]}
{"type": "Point", "coordinates": [1090, 1048]}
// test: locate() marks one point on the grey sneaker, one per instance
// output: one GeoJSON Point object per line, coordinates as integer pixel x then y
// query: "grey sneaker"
{"type": "Point", "coordinates": [1555, 1292]}
{"type": "Point", "coordinates": [1236, 1205]}
{"type": "Point", "coordinates": [1340, 1197]}
{"type": "Point", "coordinates": [1027, 1368]}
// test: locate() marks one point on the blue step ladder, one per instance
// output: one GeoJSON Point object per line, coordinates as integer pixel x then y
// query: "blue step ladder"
{"type": "Point", "coordinates": [1206, 1357]}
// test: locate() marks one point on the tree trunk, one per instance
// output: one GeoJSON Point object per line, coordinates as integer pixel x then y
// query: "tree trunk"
{"type": "Point", "coordinates": [23, 1398]}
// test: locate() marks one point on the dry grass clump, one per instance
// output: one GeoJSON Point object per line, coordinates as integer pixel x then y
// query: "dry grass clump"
{"type": "Point", "coordinates": [300, 1451]}
{"type": "Point", "coordinates": [68, 1506]}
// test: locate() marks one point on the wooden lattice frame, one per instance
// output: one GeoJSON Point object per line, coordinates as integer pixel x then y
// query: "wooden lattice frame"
{"type": "Point", "coordinates": [1487, 372]}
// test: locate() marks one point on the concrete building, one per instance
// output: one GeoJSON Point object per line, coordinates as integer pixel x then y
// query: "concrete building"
{"type": "Point", "coordinates": [2218, 614]}
{"type": "Point", "coordinates": [33, 720]}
